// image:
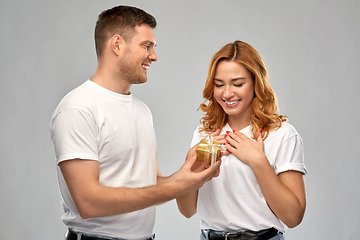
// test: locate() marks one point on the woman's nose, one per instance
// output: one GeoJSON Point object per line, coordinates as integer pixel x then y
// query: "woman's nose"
{"type": "Point", "coordinates": [228, 93]}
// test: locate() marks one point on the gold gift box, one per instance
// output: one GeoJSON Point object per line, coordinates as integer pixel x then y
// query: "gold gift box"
{"type": "Point", "coordinates": [209, 151]}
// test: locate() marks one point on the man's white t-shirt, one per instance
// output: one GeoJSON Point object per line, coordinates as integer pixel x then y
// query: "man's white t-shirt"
{"type": "Point", "coordinates": [234, 201]}
{"type": "Point", "coordinates": [116, 130]}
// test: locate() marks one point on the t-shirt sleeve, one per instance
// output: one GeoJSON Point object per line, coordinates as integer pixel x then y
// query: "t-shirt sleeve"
{"type": "Point", "coordinates": [197, 136]}
{"type": "Point", "coordinates": [291, 156]}
{"type": "Point", "coordinates": [74, 134]}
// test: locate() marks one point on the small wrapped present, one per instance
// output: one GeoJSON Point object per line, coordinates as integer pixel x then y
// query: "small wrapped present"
{"type": "Point", "coordinates": [208, 150]}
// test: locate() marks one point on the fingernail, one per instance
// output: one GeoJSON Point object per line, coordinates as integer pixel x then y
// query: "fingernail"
{"type": "Point", "coordinates": [224, 143]}
{"type": "Point", "coordinates": [217, 129]}
{"type": "Point", "coordinates": [227, 132]}
{"type": "Point", "coordinates": [225, 135]}
{"type": "Point", "coordinates": [233, 131]}
{"type": "Point", "coordinates": [261, 130]}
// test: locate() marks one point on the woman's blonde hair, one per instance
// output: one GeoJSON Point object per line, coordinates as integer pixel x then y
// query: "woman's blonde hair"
{"type": "Point", "coordinates": [263, 110]}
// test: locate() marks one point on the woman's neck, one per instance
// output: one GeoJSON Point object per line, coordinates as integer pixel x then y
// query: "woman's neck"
{"type": "Point", "coordinates": [237, 123]}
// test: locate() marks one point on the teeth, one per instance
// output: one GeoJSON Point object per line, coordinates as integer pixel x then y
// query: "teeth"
{"type": "Point", "coordinates": [146, 67]}
{"type": "Point", "coordinates": [230, 103]}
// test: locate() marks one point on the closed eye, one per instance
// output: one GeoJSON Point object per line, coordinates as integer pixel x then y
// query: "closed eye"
{"type": "Point", "coordinates": [218, 83]}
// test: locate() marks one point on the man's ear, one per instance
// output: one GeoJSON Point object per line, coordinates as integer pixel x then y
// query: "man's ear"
{"type": "Point", "coordinates": [116, 42]}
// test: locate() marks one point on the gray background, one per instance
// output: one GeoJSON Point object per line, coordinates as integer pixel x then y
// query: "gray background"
{"type": "Point", "coordinates": [311, 49]}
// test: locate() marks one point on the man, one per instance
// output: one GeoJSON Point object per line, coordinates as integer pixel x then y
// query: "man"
{"type": "Point", "coordinates": [105, 142]}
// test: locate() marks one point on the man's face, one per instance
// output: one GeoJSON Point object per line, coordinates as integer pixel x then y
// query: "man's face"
{"type": "Point", "coordinates": [138, 54]}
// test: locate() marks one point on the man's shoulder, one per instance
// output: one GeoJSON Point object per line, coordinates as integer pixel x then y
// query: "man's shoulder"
{"type": "Point", "coordinates": [79, 97]}
{"type": "Point", "coordinates": [141, 104]}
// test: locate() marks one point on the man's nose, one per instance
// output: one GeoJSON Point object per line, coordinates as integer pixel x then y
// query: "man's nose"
{"type": "Point", "coordinates": [152, 55]}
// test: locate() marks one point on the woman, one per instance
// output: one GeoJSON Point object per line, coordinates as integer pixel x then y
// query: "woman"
{"type": "Point", "coordinates": [260, 188]}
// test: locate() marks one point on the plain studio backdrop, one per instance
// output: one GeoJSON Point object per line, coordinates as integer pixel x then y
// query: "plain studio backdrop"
{"type": "Point", "coordinates": [311, 50]}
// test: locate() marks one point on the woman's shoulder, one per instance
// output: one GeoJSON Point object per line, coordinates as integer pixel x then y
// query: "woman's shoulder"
{"type": "Point", "coordinates": [199, 131]}
{"type": "Point", "coordinates": [286, 130]}
{"type": "Point", "coordinates": [286, 126]}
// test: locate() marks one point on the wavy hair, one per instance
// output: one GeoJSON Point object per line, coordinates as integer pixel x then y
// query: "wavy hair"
{"type": "Point", "coordinates": [264, 107]}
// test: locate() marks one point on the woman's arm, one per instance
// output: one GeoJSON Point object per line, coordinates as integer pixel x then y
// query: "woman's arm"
{"type": "Point", "coordinates": [187, 204]}
{"type": "Point", "coordinates": [284, 193]}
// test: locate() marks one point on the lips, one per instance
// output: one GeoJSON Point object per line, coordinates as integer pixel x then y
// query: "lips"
{"type": "Point", "coordinates": [146, 66]}
{"type": "Point", "coordinates": [231, 103]}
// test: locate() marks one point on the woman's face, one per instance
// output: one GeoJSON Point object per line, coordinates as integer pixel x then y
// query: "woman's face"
{"type": "Point", "coordinates": [234, 89]}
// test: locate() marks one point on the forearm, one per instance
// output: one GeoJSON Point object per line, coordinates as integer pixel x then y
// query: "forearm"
{"type": "Point", "coordinates": [187, 204]}
{"type": "Point", "coordinates": [285, 198]}
{"type": "Point", "coordinates": [162, 180]}
{"type": "Point", "coordinates": [108, 201]}
{"type": "Point", "coordinates": [93, 200]}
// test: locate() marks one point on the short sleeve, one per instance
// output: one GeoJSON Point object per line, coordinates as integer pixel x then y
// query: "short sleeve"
{"type": "Point", "coordinates": [197, 136]}
{"type": "Point", "coordinates": [291, 156]}
{"type": "Point", "coordinates": [74, 134]}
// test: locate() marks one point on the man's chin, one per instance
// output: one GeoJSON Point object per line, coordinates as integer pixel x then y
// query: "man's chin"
{"type": "Point", "coordinates": [140, 81]}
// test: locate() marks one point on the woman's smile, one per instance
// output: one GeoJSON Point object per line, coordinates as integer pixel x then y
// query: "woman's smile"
{"type": "Point", "coordinates": [234, 90]}
{"type": "Point", "coordinates": [231, 103]}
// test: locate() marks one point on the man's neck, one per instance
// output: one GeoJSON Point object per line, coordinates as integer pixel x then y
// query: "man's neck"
{"type": "Point", "coordinates": [105, 79]}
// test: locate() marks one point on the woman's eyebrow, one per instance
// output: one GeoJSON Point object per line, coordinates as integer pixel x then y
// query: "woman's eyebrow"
{"type": "Point", "coordinates": [232, 80]}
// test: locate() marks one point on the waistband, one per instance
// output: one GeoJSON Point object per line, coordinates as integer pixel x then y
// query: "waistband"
{"type": "Point", "coordinates": [241, 235]}
{"type": "Point", "coordinates": [72, 235]}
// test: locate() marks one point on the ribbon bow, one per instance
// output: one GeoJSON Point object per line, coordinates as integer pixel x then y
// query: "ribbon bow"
{"type": "Point", "coordinates": [209, 150]}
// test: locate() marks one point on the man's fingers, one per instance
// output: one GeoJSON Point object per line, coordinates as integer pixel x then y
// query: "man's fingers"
{"type": "Point", "coordinates": [192, 151]}
{"type": "Point", "coordinates": [210, 171]}
{"type": "Point", "coordinates": [190, 160]}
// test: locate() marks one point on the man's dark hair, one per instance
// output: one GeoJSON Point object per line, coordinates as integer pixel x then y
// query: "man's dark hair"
{"type": "Point", "coordinates": [120, 20]}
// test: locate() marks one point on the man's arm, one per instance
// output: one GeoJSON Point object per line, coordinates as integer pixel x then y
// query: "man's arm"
{"type": "Point", "coordinates": [93, 200]}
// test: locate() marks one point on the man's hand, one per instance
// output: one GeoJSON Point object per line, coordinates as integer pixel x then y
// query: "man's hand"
{"type": "Point", "coordinates": [193, 174]}
{"type": "Point", "coordinates": [217, 138]}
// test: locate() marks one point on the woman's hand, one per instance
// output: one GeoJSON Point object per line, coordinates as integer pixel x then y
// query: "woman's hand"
{"type": "Point", "coordinates": [221, 139]}
{"type": "Point", "coordinates": [245, 149]}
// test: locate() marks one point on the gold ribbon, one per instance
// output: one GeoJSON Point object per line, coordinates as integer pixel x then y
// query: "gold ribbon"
{"type": "Point", "coordinates": [209, 150]}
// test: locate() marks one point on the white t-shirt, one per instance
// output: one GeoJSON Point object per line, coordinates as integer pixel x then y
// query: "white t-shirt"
{"type": "Point", "coordinates": [116, 130]}
{"type": "Point", "coordinates": [234, 201]}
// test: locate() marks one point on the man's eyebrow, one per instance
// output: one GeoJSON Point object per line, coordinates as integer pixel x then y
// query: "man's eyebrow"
{"type": "Point", "coordinates": [150, 42]}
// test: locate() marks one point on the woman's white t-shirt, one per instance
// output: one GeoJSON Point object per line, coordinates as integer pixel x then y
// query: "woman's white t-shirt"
{"type": "Point", "coordinates": [234, 201]}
